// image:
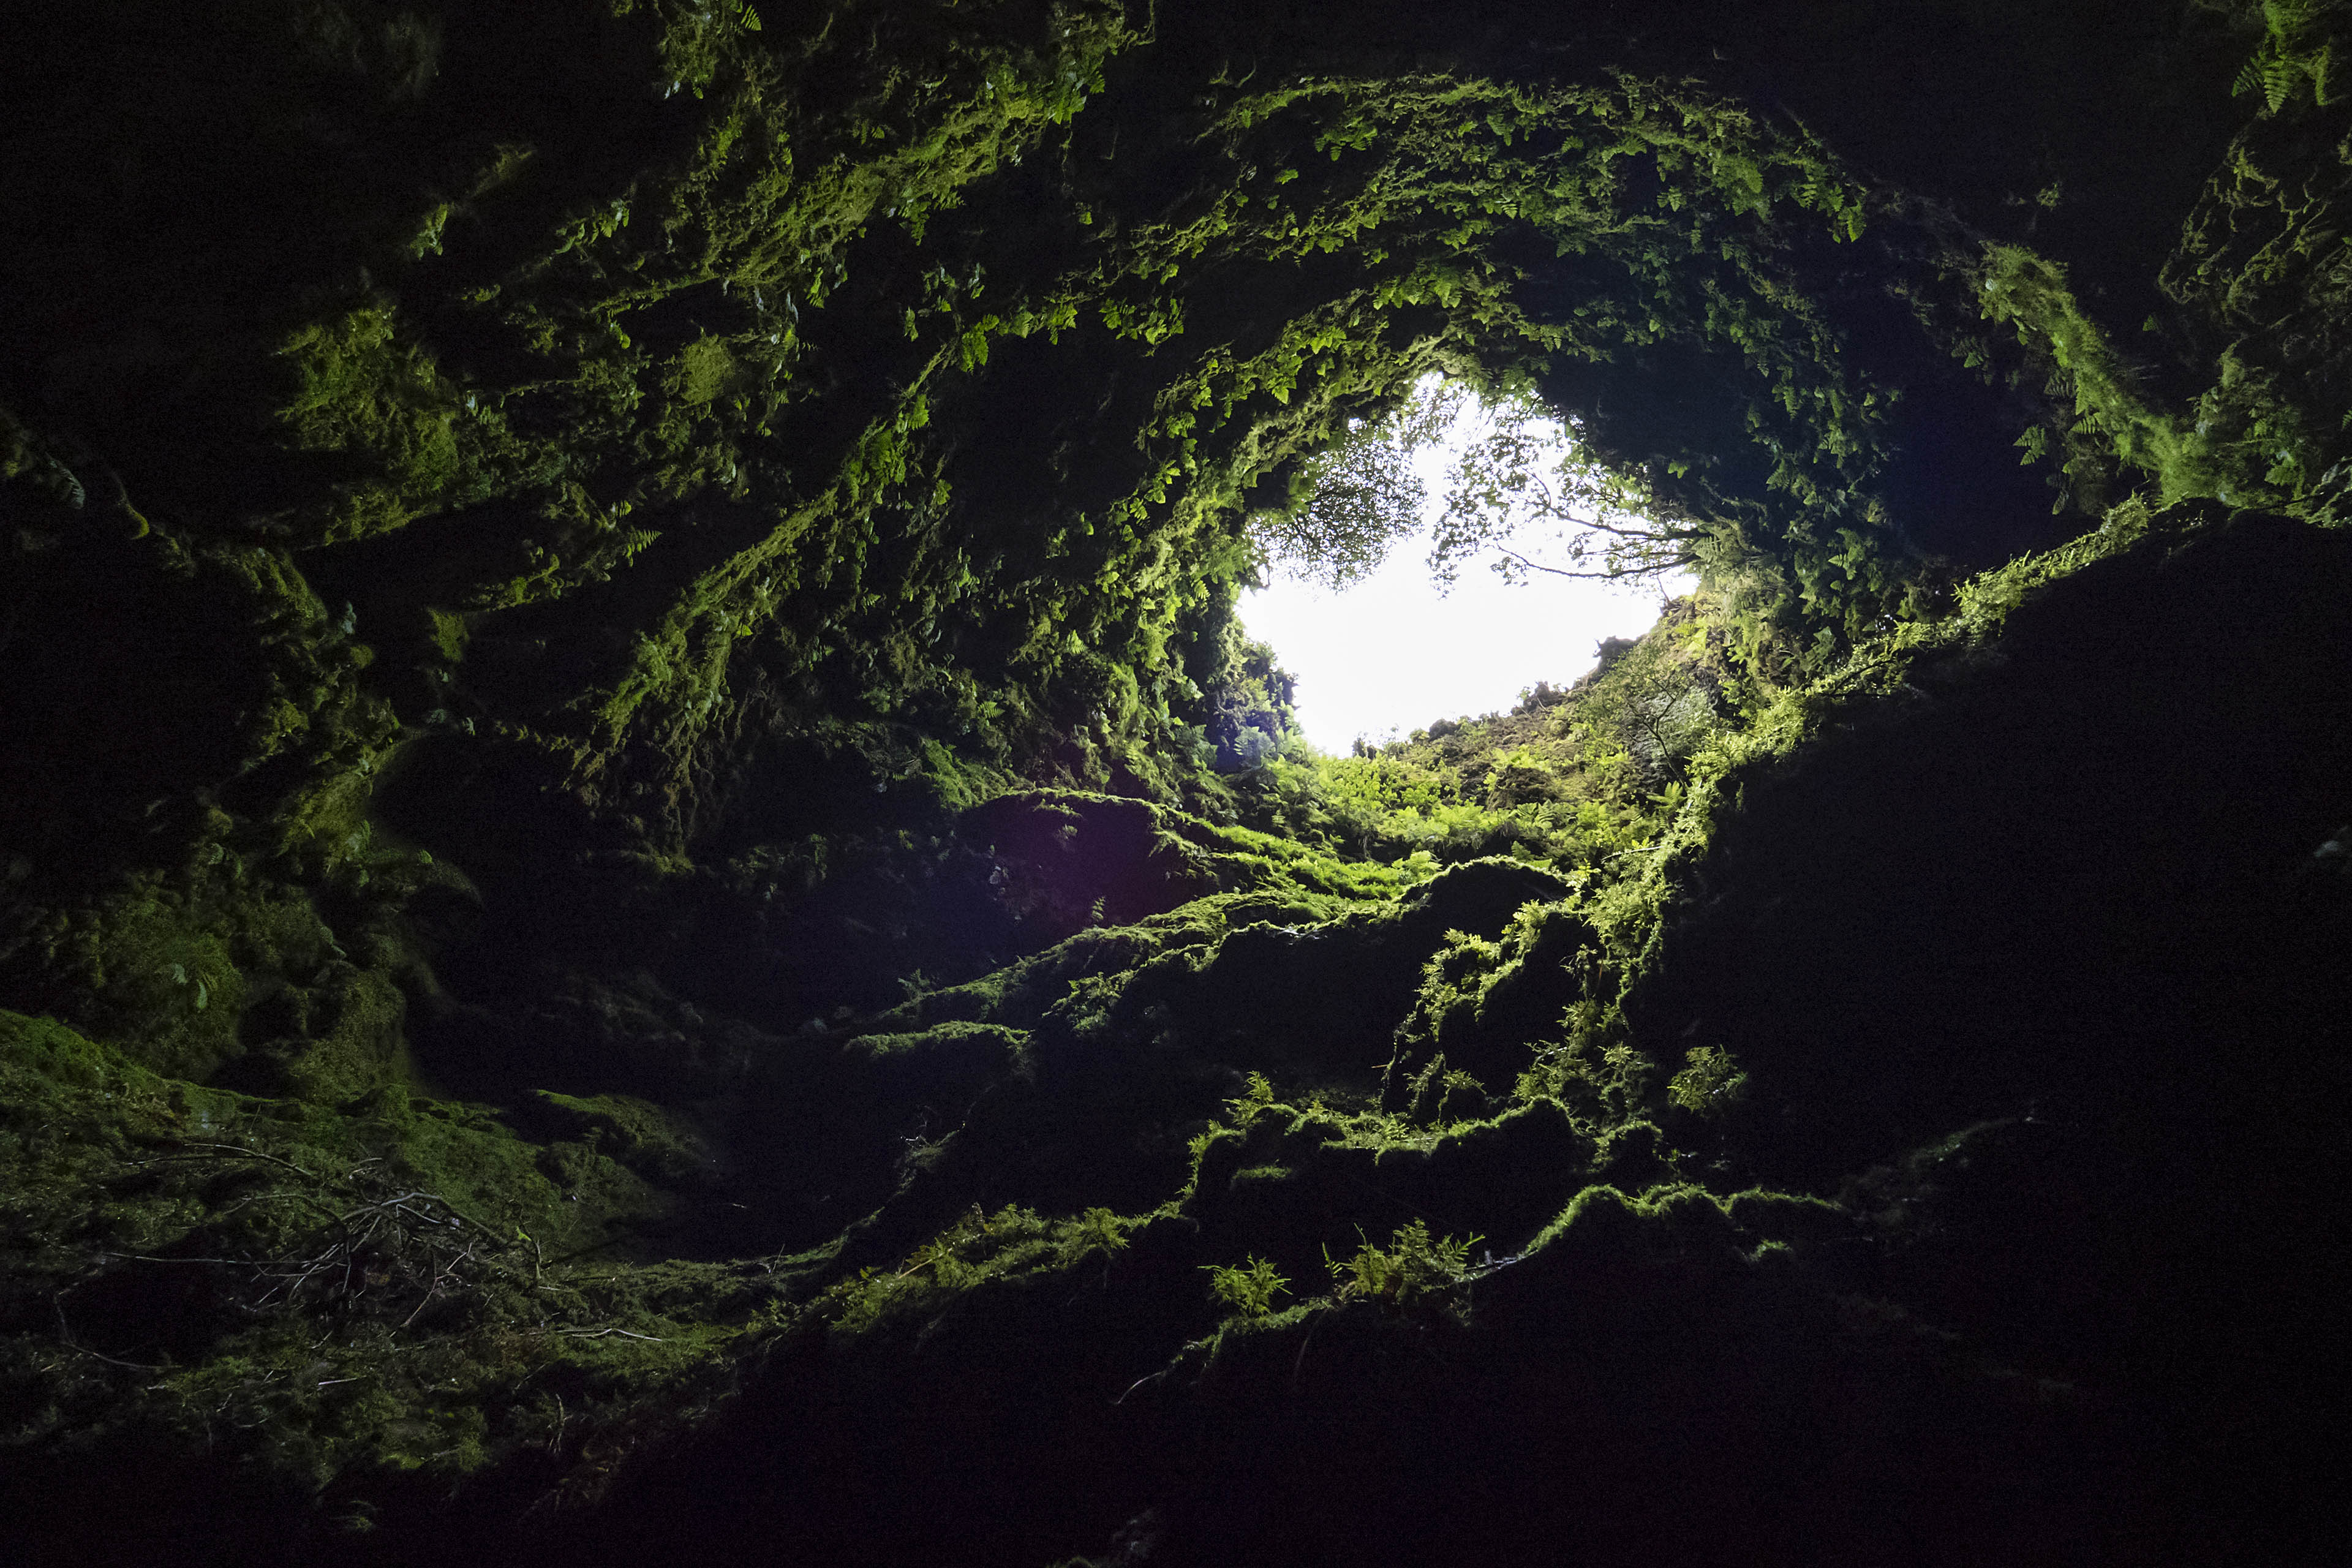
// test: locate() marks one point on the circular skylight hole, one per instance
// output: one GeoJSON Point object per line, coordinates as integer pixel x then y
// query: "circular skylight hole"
{"type": "Point", "coordinates": [1357, 604]}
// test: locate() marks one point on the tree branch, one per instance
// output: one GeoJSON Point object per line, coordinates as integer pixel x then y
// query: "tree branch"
{"type": "Point", "coordinates": [1609, 574]}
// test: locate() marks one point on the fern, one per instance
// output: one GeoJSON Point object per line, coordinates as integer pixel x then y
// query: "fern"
{"type": "Point", "coordinates": [2291, 50]}
{"type": "Point", "coordinates": [1249, 1290]}
{"type": "Point", "coordinates": [2278, 81]}
{"type": "Point", "coordinates": [1415, 1266]}
{"type": "Point", "coordinates": [1711, 1081]}
{"type": "Point", "coordinates": [1255, 1099]}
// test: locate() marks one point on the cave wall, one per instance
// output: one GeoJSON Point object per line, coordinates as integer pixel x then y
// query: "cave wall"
{"type": "Point", "coordinates": [622, 619]}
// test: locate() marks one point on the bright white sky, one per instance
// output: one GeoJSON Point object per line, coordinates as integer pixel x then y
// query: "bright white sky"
{"type": "Point", "coordinates": [1389, 655]}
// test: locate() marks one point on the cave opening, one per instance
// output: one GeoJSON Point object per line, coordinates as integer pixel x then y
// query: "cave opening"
{"type": "Point", "coordinates": [1440, 623]}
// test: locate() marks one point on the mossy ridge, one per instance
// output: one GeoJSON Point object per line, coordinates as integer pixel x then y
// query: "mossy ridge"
{"type": "Point", "coordinates": [1286, 1177]}
{"type": "Point", "coordinates": [1081, 1072]}
{"type": "Point", "coordinates": [1135, 1025]}
{"type": "Point", "coordinates": [991, 1288]}
{"type": "Point", "coordinates": [856, 919]}
{"type": "Point", "coordinates": [1599, 1068]}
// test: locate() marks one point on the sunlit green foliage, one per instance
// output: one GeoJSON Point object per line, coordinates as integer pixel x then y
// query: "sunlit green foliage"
{"type": "Point", "coordinates": [978, 1249]}
{"type": "Point", "coordinates": [1523, 483]}
{"type": "Point", "coordinates": [1710, 1081]}
{"type": "Point", "coordinates": [1573, 776]}
{"type": "Point", "coordinates": [1248, 1289]}
{"type": "Point", "coordinates": [1414, 1269]}
{"type": "Point", "coordinates": [1255, 1099]}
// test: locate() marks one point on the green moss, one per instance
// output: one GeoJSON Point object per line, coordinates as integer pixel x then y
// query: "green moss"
{"type": "Point", "coordinates": [361, 391]}
{"type": "Point", "coordinates": [379, 1288]}
{"type": "Point", "coordinates": [1605, 1225]}
{"type": "Point", "coordinates": [704, 370]}
{"type": "Point", "coordinates": [1709, 1082]}
{"type": "Point", "coordinates": [655, 1142]}
{"type": "Point", "coordinates": [1012, 1247]}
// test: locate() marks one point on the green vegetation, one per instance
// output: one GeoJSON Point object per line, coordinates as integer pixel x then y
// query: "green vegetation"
{"type": "Point", "coordinates": [642, 866]}
{"type": "Point", "coordinates": [1574, 777]}
{"type": "Point", "coordinates": [404, 1286]}
{"type": "Point", "coordinates": [1412, 1267]}
{"type": "Point", "coordinates": [1249, 1290]}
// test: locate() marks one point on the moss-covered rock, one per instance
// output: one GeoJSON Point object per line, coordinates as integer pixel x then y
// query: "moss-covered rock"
{"type": "Point", "coordinates": [654, 905]}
